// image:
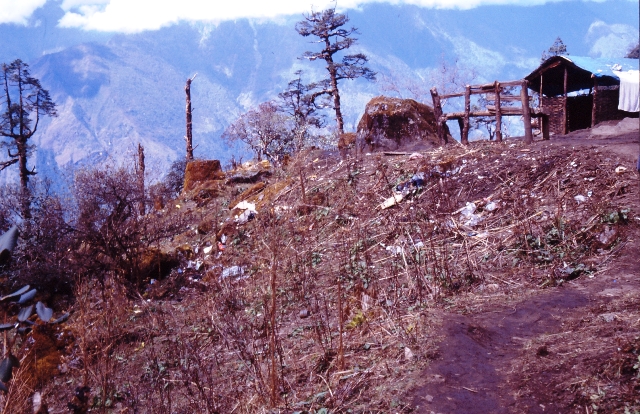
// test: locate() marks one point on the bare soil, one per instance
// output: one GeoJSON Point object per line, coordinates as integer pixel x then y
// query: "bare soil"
{"type": "Point", "coordinates": [560, 350]}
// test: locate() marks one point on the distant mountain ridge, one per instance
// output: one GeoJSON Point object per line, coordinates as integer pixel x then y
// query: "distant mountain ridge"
{"type": "Point", "coordinates": [116, 90]}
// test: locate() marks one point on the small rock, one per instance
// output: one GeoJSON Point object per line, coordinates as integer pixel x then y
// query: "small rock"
{"type": "Point", "coordinates": [304, 313]}
{"type": "Point", "coordinates": [428, 398]}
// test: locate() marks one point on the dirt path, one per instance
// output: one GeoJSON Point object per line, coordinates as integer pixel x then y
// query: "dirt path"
{"type": "Point", "coordinates": [472, 375]}
{"type": "Point", "coordinates": [543, 354]}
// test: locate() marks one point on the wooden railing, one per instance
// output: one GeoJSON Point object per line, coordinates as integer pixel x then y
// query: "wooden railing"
{"type": "Point", "coordinates": [493, 92]}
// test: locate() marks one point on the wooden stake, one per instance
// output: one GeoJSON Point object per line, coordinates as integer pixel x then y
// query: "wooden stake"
{"type": "Point", "coordinates": [498, 113]}
{"type": "Point", "coordinates": [526, 112]}
{"type": "Point", "coordinates": [437, 112]}
{"type": "Point", "coordinates": [467, 108]}
{"type": "Point", "coordinates": [564, 110]}
{"type": "Point", "coordinates": [594, 103]}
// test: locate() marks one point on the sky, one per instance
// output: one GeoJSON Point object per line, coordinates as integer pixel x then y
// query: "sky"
{"type": "Point", "coordinates": [131, 16]}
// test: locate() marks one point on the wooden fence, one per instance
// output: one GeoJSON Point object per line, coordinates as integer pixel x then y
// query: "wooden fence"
{"type": "Point", "coordinates": [493, 92]}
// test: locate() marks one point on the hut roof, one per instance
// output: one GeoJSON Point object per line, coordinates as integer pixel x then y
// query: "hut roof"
{"type": "Point", "coordinates": [580, 72]}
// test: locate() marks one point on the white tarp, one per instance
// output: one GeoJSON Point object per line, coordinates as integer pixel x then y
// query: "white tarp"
{"type": "Point", "coordinates": [629, 90]}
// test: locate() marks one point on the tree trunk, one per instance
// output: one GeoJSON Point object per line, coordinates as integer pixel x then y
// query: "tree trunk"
{"type": "Point", "coordinates": [141, 169]}
{"type": "Point", "coordinates": [437, 112]}
{"type": "Point", "coordinates": [334, 87]}
{"type": "Point", "coordinates": [25, 195]}
{"type": "Point", "coordinates": [189, 137]}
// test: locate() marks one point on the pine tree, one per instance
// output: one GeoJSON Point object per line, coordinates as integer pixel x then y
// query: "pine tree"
{"type": "Point", "coordinates": [327, 26]}
{"type": "Point", "coordinates": [558, 48]}
{"type": "Point", "coordinates": [24, 101]}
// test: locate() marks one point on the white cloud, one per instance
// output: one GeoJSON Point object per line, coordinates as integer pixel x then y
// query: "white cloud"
{"type": "Point", "coordinates": [611, 40]}
{"type": "Point", "coordinates": [18, 11]}
{"type": "Point", "coordinates": [139, 15]}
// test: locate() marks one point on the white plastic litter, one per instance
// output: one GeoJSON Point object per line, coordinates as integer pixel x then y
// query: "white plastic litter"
{"type": "Point", "coordinates": [580, 198]}
{"type": "Point", "coordinates": [467, 215]}
{"type": "Point", "coordinates": [491, 206]}
{"type": "Point", "coordinates": [391, 201]}
{"type": "Point", "coordinates": [395, 250]}
{"type": "Point", "coordinates": [233, 271]}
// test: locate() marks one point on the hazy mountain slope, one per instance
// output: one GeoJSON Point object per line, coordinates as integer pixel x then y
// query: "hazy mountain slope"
{"type": "Point", "coordinates": [114, 91]}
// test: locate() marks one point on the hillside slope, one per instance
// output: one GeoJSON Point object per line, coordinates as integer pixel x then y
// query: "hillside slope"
{"type": "Point", "coordinates": [340, 289]}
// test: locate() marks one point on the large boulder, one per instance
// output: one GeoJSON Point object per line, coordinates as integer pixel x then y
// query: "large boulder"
{"type": "Point", "coordinates": [391, 123]}
{"type": "Point", "coordinates": [202, 171]}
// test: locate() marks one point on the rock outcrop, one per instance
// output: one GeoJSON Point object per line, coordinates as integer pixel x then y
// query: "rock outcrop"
{"type": "Point", "coordinates": [202, 171]}
{"type": "Point", "coordinates": [391, 123]}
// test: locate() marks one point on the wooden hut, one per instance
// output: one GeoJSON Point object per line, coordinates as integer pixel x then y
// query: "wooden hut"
{"type": "Point", "coordinates": [578, 92]}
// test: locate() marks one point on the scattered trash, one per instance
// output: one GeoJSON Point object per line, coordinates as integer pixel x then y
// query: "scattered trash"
{"type": "Point", "coordinates": [491, 206]}
{"type": "Point", "coordinates": [580, 198]}
{"type": "Point", "coordinates": [391, 201]}
{"type": "Point", "coordinates": [408, 354]}
{"type": "Point", "coordinates": [416, 156]}
{"type": "Point", "coordinates": [304, 313]}
{"type": "Point", "coordinates": [197, 265]}
{"type": "Point", "coordinates": [620, 169]}
{"type": "Point", "coordinates": [37, 402]}
{"type": "Point", "coordinates": [207, 249]}
{"type": "Point", "coordinates": [248, 214]}
{"type": "Point", "coordinates": [367, 301]}
{"type": "Point", "coordinates": [417, 182]}
{"type": "Point", "coordinates": [395, 250]}
{"type": "Point", "coordinates": [233, 271]}
{"type": "Point", "coordinates": [245, 205]}
{"type": "Point", "coordinates": [589, 193]}
{"type": "Point", "coordinates": [467, 214]}
{"type": "Point", "coordinates": [418, 244]}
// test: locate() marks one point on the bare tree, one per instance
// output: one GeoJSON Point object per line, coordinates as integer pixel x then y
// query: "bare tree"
{"type": "Point", "coordinates": [189, 137]}
{"type": "Point", "coordinates": [23, 101]}
{"type": "Point", "coordinates": [140, 169]}
{"type": "Point", "coordinates": [297, 103]}
{"type": "Point", "coordinates": [265, 130]}
{"type": "Point", "coordinates": [327, 27]}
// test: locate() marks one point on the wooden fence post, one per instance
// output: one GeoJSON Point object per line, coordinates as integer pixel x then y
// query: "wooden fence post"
{"type": "Point", "coordinates": [464, 138]}
{"type": "Point", "coordinates": [526, 112]}
{"type": "Point", "coordinates": [565, 116]}
{"type": "Point", "coordinates": [594, 96]}
{"type": "Point", "coordinates": [498, 112]}
{"type": "Point", "coordinates": [437, 111]}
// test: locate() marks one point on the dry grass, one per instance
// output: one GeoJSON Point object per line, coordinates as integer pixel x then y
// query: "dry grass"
{"type": "Point", "coordinates": [339, 300]}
